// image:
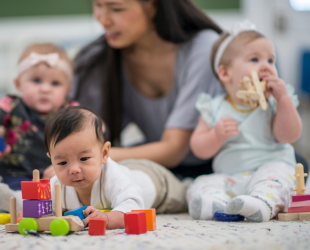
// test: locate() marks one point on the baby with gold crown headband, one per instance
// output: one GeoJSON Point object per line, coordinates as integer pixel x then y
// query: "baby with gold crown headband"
{"type": "Point", "coordinates": [44, 75]}
{"type": "Point", "coordinates": [253, 161]}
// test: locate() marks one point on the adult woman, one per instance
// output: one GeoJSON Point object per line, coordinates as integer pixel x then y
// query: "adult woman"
{"type": "Point", "coordinates": [148, 68]}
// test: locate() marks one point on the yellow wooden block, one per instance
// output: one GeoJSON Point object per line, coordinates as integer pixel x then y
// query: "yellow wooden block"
{"type": "Point", "coordinates": [5, 219]}
{"type": "Point", "coordinates": [105, 211]}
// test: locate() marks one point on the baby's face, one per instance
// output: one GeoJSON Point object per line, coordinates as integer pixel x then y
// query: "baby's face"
{"type": "Point", "coordinates": [78, 159]}
{"type": "Point", "coordinates": [257, 55]}
{"type": "Point", "coordinates": [43, 88]}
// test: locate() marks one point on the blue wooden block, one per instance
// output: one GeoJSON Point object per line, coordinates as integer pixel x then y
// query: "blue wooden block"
{"type": "Point", "coordinates": [221, 216]}
{"type": "Point", "coordinates": [2, 144]}
{"type": "Point", "coordinates": [77, 212]}
{"type": "Point", "coordinates": [37, 208]}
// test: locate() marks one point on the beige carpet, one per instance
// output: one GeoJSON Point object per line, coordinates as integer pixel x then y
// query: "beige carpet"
{"type": "Point", "coordinates": [175, 232]}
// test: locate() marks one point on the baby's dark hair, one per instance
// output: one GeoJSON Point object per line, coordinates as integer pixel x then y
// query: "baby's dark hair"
{"type": "Point", "coordinates": [68, 121]}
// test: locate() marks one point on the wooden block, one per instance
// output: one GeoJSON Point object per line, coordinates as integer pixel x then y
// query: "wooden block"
{"type": "Point", "coordinates": [300, 203]}
{"type": "Point", "coordinates": [44, 224]}
{"type": "Point", "coordinates": [305, 197]}
{"type": "Point", "coordinates": [11, 227]}
{"type": "Point", "coordinates": [304, 216]}
{"type": "Point", "coordinates": [97, 226]}
{"type": "Point", "coordinates": [288, 217]}
{"type": "Point", "coordinates": [262, 101]}
{"type": "Point", "coordinates": [135, 222]}
{"type": "Point", "coordinates": [37, 208]}
{"type": "Point", "coordinates": [5, 218]}
{"type": "Point", "coordinates": [299, 209]}
{"type": "Point", "coordinates": [150, 218]}
{"type": "Point", "coordinates": [36, 190]}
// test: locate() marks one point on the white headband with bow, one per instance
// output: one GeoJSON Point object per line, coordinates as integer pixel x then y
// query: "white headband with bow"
{"type": "Point", "coordinates": [52, 60]}
{"type": "Point", "coordinates": [235, 31]}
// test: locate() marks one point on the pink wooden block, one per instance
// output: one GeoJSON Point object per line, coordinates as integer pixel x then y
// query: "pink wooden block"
{"type": "Point", "coordinates": [305, 197]}
{"type": "Point", "coordinates": [300, 204]}
{"type": "Point", "coordinates": [299, 209]}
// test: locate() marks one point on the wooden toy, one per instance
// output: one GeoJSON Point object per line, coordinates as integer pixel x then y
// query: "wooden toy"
{"type": "Point", "coordinates": [19, 219]}
{"type": "Point", "coordinates": [4, 218]}
{"type": "Point", "coordinates": [80, 212]}
{"type": "Point", "coordinates": [300, 179]}
{"type": "Point", "coordinates": [252, 92]}
{"type": "Point", "coordinates": [135, 222]}
{"type": "Point", "coordinates": [97, 226]}
{"type": "Point", "coordinates": [299, 209]}
{"type": "Point", "coordinates": [2, 141]}
{"type": "Point", "coordinates": [222, 216]}
{"type": "Point", "coordinates": [300, 203]}
{"type": "Point", "coordinates": [58, 225]}
{"type": "Point", "coordinates": [305, 197]}
{"type": "Point", "coordinates": [37, 208]}
{"type": "Point", "coordinates": [150, 218]}
{"type": "Point", "coordinates": [300, 206]}
{"type": "Point", "coordinates": [36, 189]}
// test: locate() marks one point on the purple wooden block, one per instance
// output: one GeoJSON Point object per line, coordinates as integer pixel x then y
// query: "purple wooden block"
{"type": "Point", "coordinates": [37, 208]}
{"type": "Point", "coordinates": [305, 197]}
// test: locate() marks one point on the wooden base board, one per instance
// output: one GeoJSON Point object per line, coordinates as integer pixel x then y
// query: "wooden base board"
{"type": "Point", "coordinates": [75, 224]}
{"type": "Point", "coordinates": [293, 216]}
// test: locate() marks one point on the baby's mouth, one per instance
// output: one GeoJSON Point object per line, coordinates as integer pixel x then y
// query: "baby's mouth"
{"type": "Point", "coordinates": [78, 181]}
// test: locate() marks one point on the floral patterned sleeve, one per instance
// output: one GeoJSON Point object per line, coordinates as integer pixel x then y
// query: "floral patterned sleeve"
{"type": "Point", "coordinates": [7, 104]}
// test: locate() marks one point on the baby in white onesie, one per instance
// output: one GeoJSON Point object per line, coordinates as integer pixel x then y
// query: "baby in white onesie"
{"type": "Point", "coordinates": [74, 141]}
{"type": "Point", "coordinates": [253, 160]}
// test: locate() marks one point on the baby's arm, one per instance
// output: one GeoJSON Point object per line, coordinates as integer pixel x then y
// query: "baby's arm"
{"type": "Point", "coordinates": [115, 219]}
{"type": "Point", "coordinates": [287, 124]}
{"type": "Point", "coordinates": [206, 142]}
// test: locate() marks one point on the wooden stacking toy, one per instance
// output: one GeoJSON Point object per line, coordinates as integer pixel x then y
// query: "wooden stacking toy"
{"type": "Point", "coordinates": [38, 207]}
{"type": "Point", "coordinates": [300, 205]}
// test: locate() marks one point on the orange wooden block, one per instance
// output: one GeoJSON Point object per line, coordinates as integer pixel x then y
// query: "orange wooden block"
{"type": "Point", "coordinates": [150, 218]}
{"type": "Point", "coordinates": [19, 219]}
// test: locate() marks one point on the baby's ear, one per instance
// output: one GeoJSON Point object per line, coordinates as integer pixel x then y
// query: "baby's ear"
{"type": "Point", "coordinates": [48, 155]}
{"type": "Point", "coordinates": [16, 83]}
{"type": "Point", "coordinates": [106, 152]}
{"type": "Point", "coordinates": [223, 74]}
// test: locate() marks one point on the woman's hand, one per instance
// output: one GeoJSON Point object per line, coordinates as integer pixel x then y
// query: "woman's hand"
{"type": "Point", "coordinates": [276, 87]}
{"type": "Point", "coordinates": [226, 128]}
{"type": "Point", "coordinates": [49, 172]}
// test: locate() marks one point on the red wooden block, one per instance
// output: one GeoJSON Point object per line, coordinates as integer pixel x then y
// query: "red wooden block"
{"type": "Point", "coordinates": [97, 226]}
{"type": "Point", "coordinates": [300, 203]}
{"type": "Point", "coordinates": [299, 209]}
{"type": "Point", "coordinates": [305, 197]}
{"type": "Point", "coordinates": [150, 218]}
{"type": "Point", "coordinates": [33, 190]}
{"type": "Point", "coordinates": [135, 222]}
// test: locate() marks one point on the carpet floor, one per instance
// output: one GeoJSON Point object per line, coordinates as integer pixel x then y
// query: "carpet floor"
{"type": "Point", "coordinates": [175, 232]}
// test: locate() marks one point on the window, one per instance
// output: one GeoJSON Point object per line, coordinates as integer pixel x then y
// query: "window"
{"type": "Point", "coordinates": [300, 5]}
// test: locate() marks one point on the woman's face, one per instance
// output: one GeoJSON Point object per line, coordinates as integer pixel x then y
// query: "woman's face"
{"type": "Point", "coordinates": [125, 21]}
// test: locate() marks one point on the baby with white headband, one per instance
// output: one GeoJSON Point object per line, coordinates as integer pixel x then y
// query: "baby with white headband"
{"type": "Point", "coordinates": [44, 76]}
{"type": "Point", "coordinates": [253, 161]}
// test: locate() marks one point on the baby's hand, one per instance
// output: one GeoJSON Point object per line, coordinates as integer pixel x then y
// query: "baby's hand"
{"type": "Point", "coordinates": [91, 212]}
{"type": "Point", "coordinates": [276, 87]}
{"type": "Point", "coordinates": [226, 128]}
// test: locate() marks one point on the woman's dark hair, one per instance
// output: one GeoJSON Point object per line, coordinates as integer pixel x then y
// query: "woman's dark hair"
{"type": "Point", "coordinates": [176, 21]}
{"type": "Point", "coordinates": [68, 121]}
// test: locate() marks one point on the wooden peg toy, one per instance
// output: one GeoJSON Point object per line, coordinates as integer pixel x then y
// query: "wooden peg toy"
{"type": "Point", "coordinates": [300, 179]}
{"type": "Point", "coordinates": [135, 222]}
{"type": "Point", "coordinates": [150, 218]}
{"type": "Point", "coordinates": [300, 205]}
{"type": "Point", "coordinates": [58, 225]}
{"type": "Point", "coordinates": [36, 189]}
{"type": "Point", "coordinates": [252, 92]}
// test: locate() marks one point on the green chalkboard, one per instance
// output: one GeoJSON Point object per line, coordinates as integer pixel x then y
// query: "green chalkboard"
{"type": "Point", "coordinates": [218, 4]}
{"type": "Point", "coordinates": [20, 8]}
